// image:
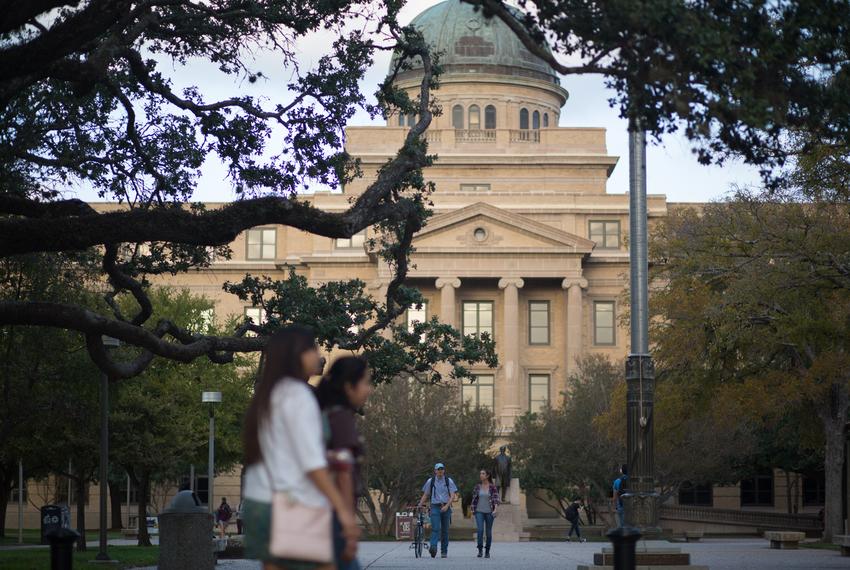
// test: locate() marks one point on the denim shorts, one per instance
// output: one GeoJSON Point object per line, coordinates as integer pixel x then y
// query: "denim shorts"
{"type": "Point", "coordinates": [257, 518]}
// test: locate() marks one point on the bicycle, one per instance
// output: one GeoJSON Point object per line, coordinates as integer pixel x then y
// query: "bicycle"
{"type": "Point", "coordinates": [418, 530]}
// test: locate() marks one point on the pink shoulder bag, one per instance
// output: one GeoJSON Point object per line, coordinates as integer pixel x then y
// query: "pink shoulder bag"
{"type": "Point", "coordinates": [299, 531]}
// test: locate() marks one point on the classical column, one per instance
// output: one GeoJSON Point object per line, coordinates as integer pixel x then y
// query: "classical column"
{"type": "Point", "coordinates": [447, 286]}
{"type": "Point", "coordinates": [510, 343]}
{"type": "Point", "coordinates": [575, 320]}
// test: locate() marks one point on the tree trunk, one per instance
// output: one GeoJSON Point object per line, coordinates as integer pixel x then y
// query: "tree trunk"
{"type": "Point", "coordinates": [834, 419]}
{"type": "Point", "coordinates": [81, 488]}
{"type": "Point", "coordinates": [143, 495]}
{"type": "Point", "coordinates": [115, 503]}
{"type": "Point", "coordinates": [6, 486]}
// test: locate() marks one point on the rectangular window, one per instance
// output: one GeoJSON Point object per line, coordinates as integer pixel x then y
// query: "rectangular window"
{"type": "Point", "coordinates": [256, 314]}
{"type": "Point", "coordinates": [479, 392]}
{"type": "Point", "coordinates": [538, 392]}
{"type": "Point", "coordinates": [538, 322]}
{"type": "Point", "coordinates": [758, 491]}
{"type": "Point", "coordinates": [814, 490]}
{"type": "Point", "coordinates": [13, 497]}
{"type": "Point", "coordinates": [416, 315]}
{"type": "Point", "coordinates": [202, 489]}
{"type": "Point", "coordinates": [262, 244]}
{"type": "Point", "coordinates": [122, 491]}
{"type": "Point", "coordinates": [695, 495]}
{"type": "Point", "coordinates": [357, 241]}
{"type": "Point", "coordinates": [606, 234]}
{"type": "Point", "coordinates": [478, 318]}
{"type": "Point", "coordinates": [474, 187]}
{"type": "Point", "coordinates": [603, 323]}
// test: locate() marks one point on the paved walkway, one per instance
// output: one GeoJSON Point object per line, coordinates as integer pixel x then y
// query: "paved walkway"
{"type": "Point", "coordinates": [719, 554]}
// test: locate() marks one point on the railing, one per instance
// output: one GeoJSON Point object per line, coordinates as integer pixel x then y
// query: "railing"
{"type": "Point", "coordinates": [525, 135]}
{"type": "Point", "coordinates": [433, 136]}
{"type": "Point", "coordinates": [475, 135]}
{"type": "Point", "coordinates": [742, 518]}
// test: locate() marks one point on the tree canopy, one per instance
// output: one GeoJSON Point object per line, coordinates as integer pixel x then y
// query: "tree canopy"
{"type": "Point", "coordinates": [737, 77]}
{"type": "Point", "coordinates": [87, 100]}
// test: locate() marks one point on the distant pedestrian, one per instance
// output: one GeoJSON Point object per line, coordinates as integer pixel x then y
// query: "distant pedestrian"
{"type": "Point", "coordinates": [485, 500]}
{"type": "Point", "coordinates": [239, 518]}
{"type": "Point", "coordinates": [573, 515]}
{"type": "Point", "coordinates": [344, 389]}
{"type": "Point", "coordinates": [222, 516]}
{"type": "Point", "coordinates": [440, 492]}
{"type": "Point", "coordinates": [285, 452]}
{"type": "Point", "coordinates": [617, 500]}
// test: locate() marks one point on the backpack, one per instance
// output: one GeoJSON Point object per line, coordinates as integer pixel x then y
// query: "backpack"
{"type": "Point", "coordinates": [571, 513]}
{"type": "Point", "coordinates": [224, 512]}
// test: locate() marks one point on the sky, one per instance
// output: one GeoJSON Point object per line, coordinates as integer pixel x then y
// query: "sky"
{"type": "Point", "coordinates": [672, 168]}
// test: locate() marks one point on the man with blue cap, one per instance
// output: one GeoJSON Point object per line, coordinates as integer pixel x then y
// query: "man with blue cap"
{"type": "Point", "coordinates": [442, 492]}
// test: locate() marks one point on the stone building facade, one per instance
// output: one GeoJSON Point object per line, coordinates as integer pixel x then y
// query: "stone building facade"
{"type": "Point", "coordinates": [525, 242]}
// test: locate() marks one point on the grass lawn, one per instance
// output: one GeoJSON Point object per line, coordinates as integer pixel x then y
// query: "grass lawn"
{"type": "Point", "coordinates": [33, 536]}
{"type": "Point", "coordinates": [820, 546]}
{"type": "Point", "coordinates": [32, 559]}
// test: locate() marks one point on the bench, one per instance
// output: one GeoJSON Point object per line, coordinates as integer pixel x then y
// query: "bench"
{"type": "Point", "coordinates": [693, 535]}
{"type": "Point", "coordinates": [842, 540]}
{"type": "Point", "coordinates": [785, 540]}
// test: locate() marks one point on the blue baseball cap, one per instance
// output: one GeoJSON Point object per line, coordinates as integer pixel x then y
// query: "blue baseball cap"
{"type": "Point", "coordinates": [439, 466]}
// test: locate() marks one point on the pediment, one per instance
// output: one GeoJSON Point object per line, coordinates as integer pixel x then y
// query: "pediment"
{"type": "Point", "coordinates": [486, 228]}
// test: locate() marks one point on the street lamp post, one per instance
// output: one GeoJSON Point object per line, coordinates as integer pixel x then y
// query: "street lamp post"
{"type": "Point", "coordinates": [102, 555]}
{"type": "Point", "coordinates": [211, 398]}
{"type": "Point", "coordinates": [640, 500]}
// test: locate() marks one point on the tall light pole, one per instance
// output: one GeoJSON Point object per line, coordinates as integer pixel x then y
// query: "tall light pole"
{"type": "Point", "coordinates": [640, 500]}
{"type": "Point", "coordinates": [211, 398]}
{"type": "Point", "coordinates": [20, 501]}
{"type": "Point", "coordinates": [102, 555]}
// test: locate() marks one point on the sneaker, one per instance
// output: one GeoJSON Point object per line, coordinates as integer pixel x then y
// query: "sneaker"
{"type": "Point", "coordinates": [433, 552]}
{"type": "Point", "coordinates": [480, 552]}
{"type": "Point", "coordinates": [487, 554]}
{"type": "Point", "coordinates": [583, 540]}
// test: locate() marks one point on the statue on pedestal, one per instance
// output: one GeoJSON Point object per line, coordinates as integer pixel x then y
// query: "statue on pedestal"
{"type": "Point", "coordinates": [502, 471]}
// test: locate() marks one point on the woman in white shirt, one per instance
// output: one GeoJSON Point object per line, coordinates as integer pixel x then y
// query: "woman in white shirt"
{"type": "Point", "coordinates": [284, 445]}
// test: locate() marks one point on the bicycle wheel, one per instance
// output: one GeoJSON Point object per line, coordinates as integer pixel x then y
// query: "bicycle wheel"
{"type": "Point", "coordinates": [418, 538]}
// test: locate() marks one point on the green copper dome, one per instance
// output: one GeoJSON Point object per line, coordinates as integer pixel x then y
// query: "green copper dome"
{"type": "Point", "coordinates": [471, 43]}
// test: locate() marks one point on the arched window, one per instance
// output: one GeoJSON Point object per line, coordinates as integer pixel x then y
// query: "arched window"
{"type": "Point", "coordinates": [474, 118]}
{"type": "Point", "coordinates": [535, 120]}
{"type": "Point", "coordinates": [401, 119]}
{"type": "Point", "coordinates": [489, 117]}
{"type": "Point", "coordinates": [457, 117]}
{"type": "Point", "coordinates": [545, 120]}
{"type": "Point", "coordinates": [523, 119]}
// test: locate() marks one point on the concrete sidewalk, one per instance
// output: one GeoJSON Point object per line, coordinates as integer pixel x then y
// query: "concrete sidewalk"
{"type": "Point", "coordinates": [720, 554]}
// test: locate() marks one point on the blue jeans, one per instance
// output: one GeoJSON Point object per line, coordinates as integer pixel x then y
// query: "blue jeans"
{"type": "Point", "coordinates": [482, 521]}
{"type": "Point", "coordinates": [440, 522]}
{"type": "Point", "coordinates": [621, 517]}
{"type": "Point", "coordinates": [339, 546]}
{"type": "Point", "coordinates": [575, 528]}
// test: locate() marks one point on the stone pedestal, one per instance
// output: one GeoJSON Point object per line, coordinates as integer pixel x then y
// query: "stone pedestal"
{"type": "Point", "coordinates": [512, 516]}
{"type": "Point", "coordinates": [650, 555]}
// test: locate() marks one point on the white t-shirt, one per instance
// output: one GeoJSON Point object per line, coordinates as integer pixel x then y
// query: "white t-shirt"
{"type": "Point", "coordinates": [292, 444]}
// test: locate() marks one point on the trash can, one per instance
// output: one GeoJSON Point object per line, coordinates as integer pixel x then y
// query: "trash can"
{"type": "Point", "coordinates": [185, 535]}
{"type": "Point", "coordinates": [404, 526]}
{"type": "Point", "coordinates": [54, 517]}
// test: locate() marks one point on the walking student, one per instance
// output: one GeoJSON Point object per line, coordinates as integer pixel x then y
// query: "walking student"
{"type": "Point", "coordinates": [345, 389]}
{"type": "Point", "coordinates": [619, 487]}
{"type": "Point", "coordinates": [485, 499]}
{"type": "Point", "coordinates": [573, 515]}
{"type": "Point", "coordinates": [440, 492]}
{"type": "Point", "coordinates": [222, 517]}
{"type": "Point", "coordinates": [285, 457]}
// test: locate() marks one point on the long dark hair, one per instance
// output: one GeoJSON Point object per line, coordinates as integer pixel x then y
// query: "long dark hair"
{"type": "Point", "coordinates": [489, 475]}
{"type": "Point", "coordinates": [281, 359]}
{"type": "Point", "coordinates": [346, 370]}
